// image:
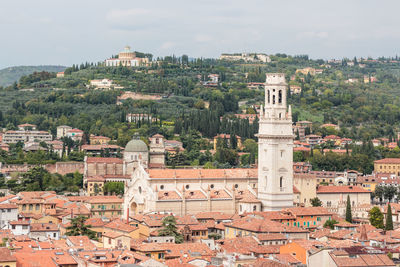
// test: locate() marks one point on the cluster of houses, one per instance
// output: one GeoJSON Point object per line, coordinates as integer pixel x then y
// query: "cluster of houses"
{"type": "Point", "coordinates": [36, 227]}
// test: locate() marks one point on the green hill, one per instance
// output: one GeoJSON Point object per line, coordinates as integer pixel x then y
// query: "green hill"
{"type": "Point", "coordinates": [12, 74]}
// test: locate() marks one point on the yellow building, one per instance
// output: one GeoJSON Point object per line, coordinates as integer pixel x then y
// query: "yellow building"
{"type": "Point", "coordinates": [34, 205]}
{"type": "Point", "coordinates": [121, 227]}
{"type": "Point", "coordinates": [387, 165]}
{"type": "Point", "coordinates": [114, 239]}
{"type": "Point", "coordinates": [95, 186]}
{"type": "Point", "coordinates": [105, 206]}
{"type": "Point", "coordinates": [306, 71]}
{"type": "Point", "coordinates": [99, 140]}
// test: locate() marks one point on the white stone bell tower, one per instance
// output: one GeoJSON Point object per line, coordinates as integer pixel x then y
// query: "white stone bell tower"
{"type": "Point", "coordinates": [275, 147]}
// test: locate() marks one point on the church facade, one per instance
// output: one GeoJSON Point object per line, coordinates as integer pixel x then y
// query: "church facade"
{"type": "Point", "coordinates": [188, 191]}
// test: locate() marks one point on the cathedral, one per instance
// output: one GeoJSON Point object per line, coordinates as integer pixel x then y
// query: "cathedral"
{"type": "Point", "coordinates": [151, 188]}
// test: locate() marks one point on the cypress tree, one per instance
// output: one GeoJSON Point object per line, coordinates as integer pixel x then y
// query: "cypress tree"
{"type": "Point", "coordinates": [348, 210]}
{"type": "Point", "coordinates": [389, 219]}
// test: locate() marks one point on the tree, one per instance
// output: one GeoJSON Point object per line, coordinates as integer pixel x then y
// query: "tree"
{"type": "Point", "coordinates": [79, 228]}
{"type": "Point", "coordinates": [389, 219]}
{"type": "Point", "coordinates": [376, 217]}
{"type": "Point", "coordinates": [389, 192]}
{"type": "Point", "coordinates": [379, 192]}
{"type": "Point", "coordinates": [330, 223]}
{"type": "Point", "coordinates": [348, 210]}
{"type": "Point", "coordinates": [170, 229]}
{"type": "Point", "coordinates": [116, 188]}
{"type": "Point", "coordinates": [316, 202]}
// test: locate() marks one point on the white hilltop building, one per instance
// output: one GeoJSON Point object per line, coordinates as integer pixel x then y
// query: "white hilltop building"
{"type": "Point", "coordinates": [188, 191]}
{"type": "Point", "coordinates": [126, 58]}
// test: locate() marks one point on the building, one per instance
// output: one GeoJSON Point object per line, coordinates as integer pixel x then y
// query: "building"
{"type": "Point", "coordinates": [295, 89]}
{"type": "Point", "coordinates": [62, 131]}
{"type": "Point", "coordinates": [126, 58]}
{"type": "Point", "coordinates": [8, 213]}
{"type": "Point", "coordinates": [99, 140]}
{"type": "Point", "coordinates": [75, 134]}
{"type": "Point", "coordinates": [60, 74]}
{"type": "Point", "coordinates": [105, 84]}
{"type": "Point", "coordinates": [44, 231]}
{"type": "Point", "coordinates": [135, 117]}
{"type": "Point", "coordinates": [387, 165]}
{"type": "Point", "coordinates": [306, 184]}
{"type": "Point", "coordinates": [157, 151]}
{"type": "Point", "coordinates": [334, 196]}
{"type": "Point", "coordinates": [275, 146]}
{"type": "Point", "coordinates": [12, 137]}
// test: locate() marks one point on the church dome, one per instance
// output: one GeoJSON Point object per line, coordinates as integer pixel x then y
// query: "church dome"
{"type": "Point", "coordinates": [136, 145]}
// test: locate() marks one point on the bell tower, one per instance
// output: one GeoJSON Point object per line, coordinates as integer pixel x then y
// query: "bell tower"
{"type": "Point", "coordinates": [275, 147]}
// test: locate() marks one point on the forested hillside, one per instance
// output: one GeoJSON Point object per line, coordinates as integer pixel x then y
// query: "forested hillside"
{"type": "Point", "coordinates": [12, 74]}
{"type": "Point", "coordinates": [362, 97]}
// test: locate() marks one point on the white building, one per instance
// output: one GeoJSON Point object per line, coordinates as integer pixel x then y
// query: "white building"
{"type": "Point", "coordinates": [44, 231]}
{"type": "Point", "coordinates": [21, 227]}
{"type": "Point", "coordinates": [104, 84]}
{"type": "Point", "coordinates": [12, 137]}
{"type": "Point", "coordinates": [8, 213]}
{"type": "Point", "coordinates": [62, 131]}
{"type": "Point", "coordinates": [126, 58]}
{"type": "Point", "coordinates": [275, 147]}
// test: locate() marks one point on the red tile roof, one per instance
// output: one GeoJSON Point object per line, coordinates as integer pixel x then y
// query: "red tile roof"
{"type": "Point", "coordinates": [104, 160]}
{"type": "Point", "coordinates": [388, 161]}
{"type": "Point", "coordinates": [203, 173]}
{"type": "Point", "coordinates": [340, 189]}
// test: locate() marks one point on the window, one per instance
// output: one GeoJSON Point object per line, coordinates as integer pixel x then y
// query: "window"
{"type": "Point", "coordinates": [24, 207]}
{"type": "Point", "coordinates": [236, 185]}
{"type": "Point", "coordinates": [13, 227]}
{"type": "Point", "coordinates": [211, 186]}
{"type": "Point", "coordinates": [254, 208]}
{"type": "Point", "coordinates": [54, 235]}
{"type": "Point", "coordinates": [30, 206]}
{"type": "Point", "coordinates": [280, 97]}
{"type": "Point", "coordinates": [161, 187]}
{"type": "Point", "coordinates": [24, 227]}
{"type": "Point", "coordinates": [37, 207]}
{"type": "Point", "coordinates": [269, 96]}
{"type": "Point", "coordinates": [109, 241]}
{"type": "Point", "coordinates": [187, 186]}
{"type": "Point", "coordinates": [273, 99]}
{"type": "Point", "coordinates": [281, 182]}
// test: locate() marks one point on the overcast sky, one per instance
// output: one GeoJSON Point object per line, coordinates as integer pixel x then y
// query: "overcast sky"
{"type": "Point", "coordinates": [65, 32]}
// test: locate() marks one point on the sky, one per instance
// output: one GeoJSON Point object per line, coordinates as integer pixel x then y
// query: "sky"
{"type": "Point", "coordinates": [54, 32]}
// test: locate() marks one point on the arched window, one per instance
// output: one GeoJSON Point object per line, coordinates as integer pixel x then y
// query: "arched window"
{"type": "Point", "coordinates": [281, 182]}
{"type": "Point", "coordinates": [273, 99]}
{"type": "Point", "coordinates": [254, 208]}
{"type": "Point", "coordinates": [269, 97]}
{"type": "Point", "coordinates": [24, 207]}
{"type": "Point", "coordinates": [37, 206]}
{"type": "Point", "coordinates": [30, 207]}
{"type": "Point", "coordinates": [280, 115]}
{"type": "Point", "coordinates": [280, 97]}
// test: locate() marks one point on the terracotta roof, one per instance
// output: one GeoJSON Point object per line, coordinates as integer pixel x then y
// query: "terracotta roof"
{"type": "Point", "coordinates": [120, 225]}
{"type": "Point", "coordinates": [6, 256]}
{"type": "Point", "coordinates": [213, 215]}
{"type": "Point", "coordinates": [340, 189]}
{"type": "Point", "coordinates": [263, 226]}
{"type": "Point", "coordinates": [81, 242]}
{"type": "Point", "coordinates": [309, 211]}
{"type": "Point", "coordinates": [273, 236]}
{"type": "Point", "coordinates": [104, 199]}
{"type": "Point", "coordinates": [44, 227]}
{"type": "Point", "coordinates": [246, 196]}
{"type": "Point", "coordinates": [104, 160]}
{"type": "Point", "coordinates": [388, 161]}
{"type": "Point", "coordinates": [168, 195]}
{"type": "Point", "coordinates": [8, 206]}
{"type": "Point", "coordinates": [203, 173]}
